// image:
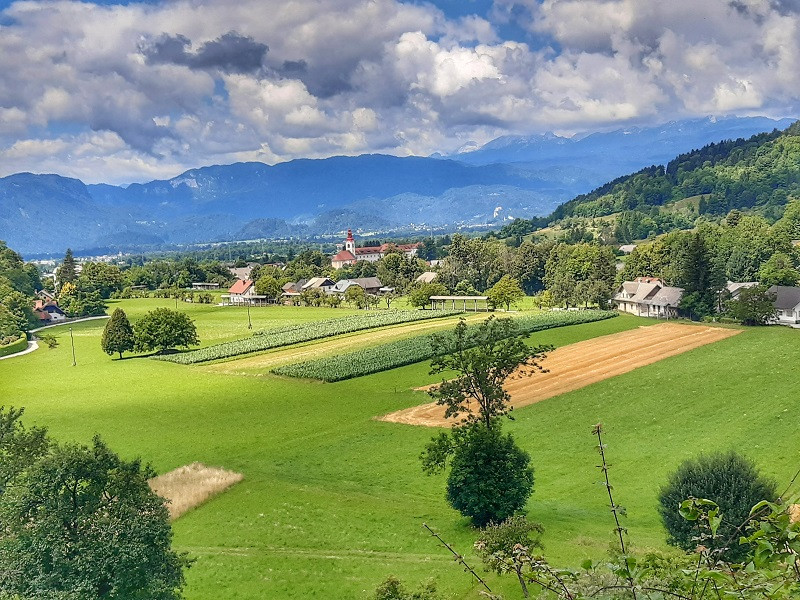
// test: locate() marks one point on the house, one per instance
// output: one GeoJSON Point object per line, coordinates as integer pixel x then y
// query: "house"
{"type": "Point", "coordinates": [321, 283]}
{"type": "Point", "coordinates": [648, 297]}
{"type": "Point", "coordinates": [734, 288]}
{"type": "Point", "coordinates": [45, 296]}
{"type": "Point", "coordinates": [350, 255]}
{"type": "Point", "coordinates": [427, 277]}
{"type": "Point", "coordinates": [787, 304]}
{"type": "Point", "coordinates": [371, 285]}
{"type": "Point", "coordinates": [49, 312]}
{"type": "Point", "coordinates": [241, 292]}
{"type": "Point", "coordinates": [242, 273]}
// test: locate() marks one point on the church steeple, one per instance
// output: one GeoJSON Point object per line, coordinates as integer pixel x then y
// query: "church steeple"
{"type": "Point", "coordinates": [350, 243]}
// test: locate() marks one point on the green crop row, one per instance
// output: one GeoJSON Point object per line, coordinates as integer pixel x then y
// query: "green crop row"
{"type": "Point", "coordinates": [419, 348]}
{"type": "Point", "coordinates": [296, 334]}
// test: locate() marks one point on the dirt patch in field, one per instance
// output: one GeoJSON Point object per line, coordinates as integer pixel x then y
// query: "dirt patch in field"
{"type": "Point", "coordinates": [262, 364]}
{"type": "Point", "coordinates": [191, 485]}
{"type": "Point", "coordinates": [578, 365]}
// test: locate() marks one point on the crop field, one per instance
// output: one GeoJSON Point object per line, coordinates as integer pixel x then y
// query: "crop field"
{"type": "Point", "coordinates": [288, 335]}
{"type": "Point", "coordinates": [374, 359]}
{"type": "Point", "coordinates": [578, 365]}
{"type": "Point", "coordinates": [332, 501]}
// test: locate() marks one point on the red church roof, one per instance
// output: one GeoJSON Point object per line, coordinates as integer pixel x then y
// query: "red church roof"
{"type": "Point", "coordinates": [343, 255]}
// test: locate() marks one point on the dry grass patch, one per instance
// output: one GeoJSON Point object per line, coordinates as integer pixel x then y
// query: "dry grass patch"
{"type": "Point", "coordinates": [189, 486]}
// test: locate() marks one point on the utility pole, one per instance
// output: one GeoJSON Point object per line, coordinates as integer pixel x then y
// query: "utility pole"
{"type": "Point", "coordinates": [249, 322]}
{"type": "Point", "coordinates": [72, 340]}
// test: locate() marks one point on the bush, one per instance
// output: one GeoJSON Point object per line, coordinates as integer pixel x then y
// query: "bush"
{"type": "Point", "coordinates": [730, 480]}
{"type": "Point", "coordinates": [490, 477]}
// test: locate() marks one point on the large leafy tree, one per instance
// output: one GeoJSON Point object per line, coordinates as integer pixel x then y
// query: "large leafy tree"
{"type": "Point", "coordinates": [162, 329]}
{"type": "Point", "coordinates": [82, 523]}
{"type": "Point", "coordinates": [731, 481]}
{"type": "Point", "coordinates": [753, 306]}
{"type": "Point", "coordinates": [482, 358]}
{"type": "Point", "coordinates": [118, 334]}
{"type": "Point", "coordinates": [490, 476]}
{"type": "Point", "coordinates": [20, 447]}
{"type": "Point", "coordinates": [77, 302]}
{"type": "Point", "coordinates": [420, 295]}
{"type": "Point", "coordinates": [505, 292]}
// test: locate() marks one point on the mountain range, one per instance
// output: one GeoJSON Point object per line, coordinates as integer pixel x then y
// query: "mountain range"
{"type": "Point", "coordinates": [510, 177]}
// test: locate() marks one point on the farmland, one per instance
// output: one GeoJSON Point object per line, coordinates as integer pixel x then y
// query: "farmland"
{"type": "Point", "coordinates": [332, 500]}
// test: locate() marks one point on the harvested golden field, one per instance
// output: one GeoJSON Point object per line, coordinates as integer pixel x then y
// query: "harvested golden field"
{"type": "Point", "coordinates": [578, 365]}
{"type": "Point", "coordinates": [191, 485]}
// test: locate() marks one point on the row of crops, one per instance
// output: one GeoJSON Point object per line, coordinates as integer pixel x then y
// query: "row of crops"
{"type": "Point", "coordinates": [419, 348]}
{"type": "Point", "coordinates": [304, 332]}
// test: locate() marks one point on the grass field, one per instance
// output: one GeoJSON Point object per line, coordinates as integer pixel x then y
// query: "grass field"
{"type": "Point", "coordinates": [332, 500]}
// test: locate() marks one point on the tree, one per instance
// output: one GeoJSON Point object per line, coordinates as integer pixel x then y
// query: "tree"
{"type": "Point", "coordinates": [420, 295]}
{"type": "Point", "coordinates": [118, 334]}
{"type": "Point", "coordinates": [79, 303]}
{"type": "Point", "coordinates": [66, 272]}
{"type": "Point", "coordinates": [778, 270]}
{"type": "Point", "coordinates": [83, 523]}
{"type": "Point", "coordinates": [731, 481]}
{"type": "Point", "coordinates": [162, 328]}
{"type": "Point", "coordinates": [19, 447]}
{"type": "Point", "coordinates": [268, 286]}
{"type": "Point", "coordinates": [500, 543]}
{"type": "Point", "coordinates": [100, 277]}
{"type": "Point", "coordinates": [482, 358]}
{"type": "Point", "coordinates": [490, 476]}
{"type": "Point", "coordinates": [506, 292]}
{"type": "Point", "coordinates": [753, 306]}
{"type": "Point", "coordinates": [356, 296]}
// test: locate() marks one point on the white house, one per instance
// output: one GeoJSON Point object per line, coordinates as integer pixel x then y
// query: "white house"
{"type": "Point", "coordinates": [241, 292]}
{"type": "Point", "coordinates": [648, 297]}
{"type": "Point", "coordinates": [787, 304]}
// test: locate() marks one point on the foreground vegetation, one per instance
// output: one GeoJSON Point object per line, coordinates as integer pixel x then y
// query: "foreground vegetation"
{"type": "Point", "coordinates": [333, 501]}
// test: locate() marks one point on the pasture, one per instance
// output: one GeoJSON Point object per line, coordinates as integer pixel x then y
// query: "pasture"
{"type": "Point", "coordinates": [333, 500]}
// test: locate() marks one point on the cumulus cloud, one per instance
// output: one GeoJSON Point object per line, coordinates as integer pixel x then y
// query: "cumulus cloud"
{"type": "Point", "coordinates": [128, 92]}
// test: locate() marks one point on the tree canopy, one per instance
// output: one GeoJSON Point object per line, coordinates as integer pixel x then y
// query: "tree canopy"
{"type": "Point", "coordinates": [162, 329]}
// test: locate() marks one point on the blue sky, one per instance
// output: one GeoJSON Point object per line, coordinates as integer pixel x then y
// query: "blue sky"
{"type": "Point", "coordinates": [124, 91]}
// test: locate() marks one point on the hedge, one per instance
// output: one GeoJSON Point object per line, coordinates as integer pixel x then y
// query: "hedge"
{"type": "Point", "coordinates": [14, 347]}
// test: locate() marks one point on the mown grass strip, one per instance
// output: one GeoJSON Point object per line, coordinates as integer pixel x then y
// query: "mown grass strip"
{"type": "Point", "coordinates": [416, 349]}
{"type": "Point", "coordinates": [306, 332]}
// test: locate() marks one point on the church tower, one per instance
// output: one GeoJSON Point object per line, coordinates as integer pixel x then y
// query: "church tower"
{"type": "Point", "coordinates": [350, 243]}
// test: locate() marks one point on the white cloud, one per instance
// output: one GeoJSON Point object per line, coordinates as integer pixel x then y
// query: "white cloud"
{"type": "Point", "coordinates": [349, 76]}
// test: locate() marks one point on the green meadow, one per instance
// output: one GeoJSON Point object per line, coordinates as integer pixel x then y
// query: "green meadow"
{"type": "Point", "coordinates": [333, 501]}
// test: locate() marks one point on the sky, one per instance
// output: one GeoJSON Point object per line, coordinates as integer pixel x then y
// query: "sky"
{"type": "Point", "coordinates": [118, 92]}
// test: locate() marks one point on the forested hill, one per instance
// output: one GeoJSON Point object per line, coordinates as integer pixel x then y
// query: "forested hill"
{"type": "Point", "coordinates": [760, 173]}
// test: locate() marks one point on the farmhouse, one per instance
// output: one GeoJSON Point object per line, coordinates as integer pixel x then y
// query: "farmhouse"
{"type": "Point", "coordinates": [350, 255]}
{"type": "Point", "coordinates": [48, 311]}
{"type": "Point", "coordinates": [648, 297]}
{"type": "Point", "coordinates": [318, 283]}
{"type": "Point", "coordinates": [787, 304]}
{"type": "Point", "coordinates": [371, 285]}
{"type": "Point", "coordinates": [243, 292]}
{"type": "Point", "coordinates": [734, 288]}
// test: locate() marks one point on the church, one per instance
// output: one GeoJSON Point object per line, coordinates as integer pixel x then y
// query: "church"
{"type": "Point", "coordinates": [350, 255]}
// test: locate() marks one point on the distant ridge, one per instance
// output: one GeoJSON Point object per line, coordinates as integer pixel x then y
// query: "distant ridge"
{"type": "Point", "coordinates": [510, 177]}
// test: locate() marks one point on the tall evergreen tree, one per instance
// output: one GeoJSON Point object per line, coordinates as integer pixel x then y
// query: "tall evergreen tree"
{"type": "Point", "coordinates": [118, 334]}
{"type": "Point", "coordinates": [66, 272]}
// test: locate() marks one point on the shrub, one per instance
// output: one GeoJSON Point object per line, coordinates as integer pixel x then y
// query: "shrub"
{"type": "Point", "coordinates": [730, 480]}
{"type": "Point", "coordinates": [490, 477]}
{"type": "Point", "coordinates": [14, 346]}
